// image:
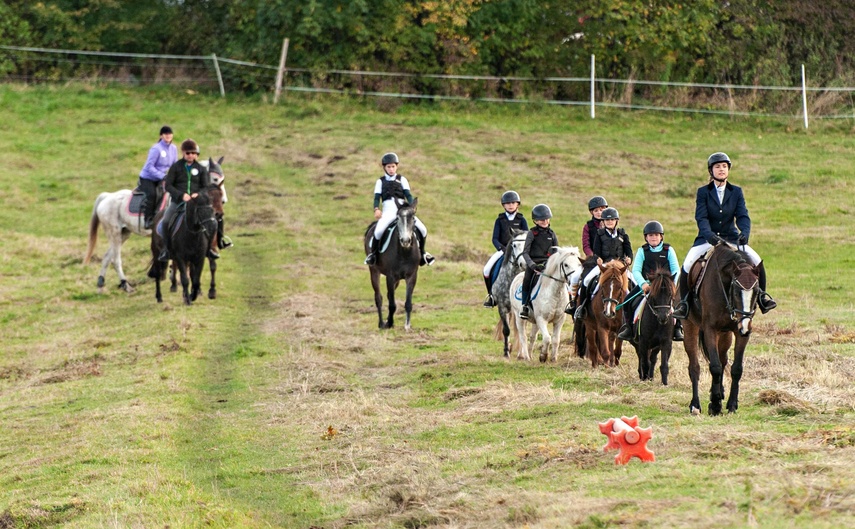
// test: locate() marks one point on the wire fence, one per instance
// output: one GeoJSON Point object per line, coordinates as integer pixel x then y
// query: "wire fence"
{"type": "Point", "coordinates": [211, 73]}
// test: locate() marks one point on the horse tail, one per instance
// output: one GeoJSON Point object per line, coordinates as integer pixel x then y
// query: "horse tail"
{"type": "Point", "coordinates": [93, 228]}
{"type": "Point", "coordinates": [499, 333]}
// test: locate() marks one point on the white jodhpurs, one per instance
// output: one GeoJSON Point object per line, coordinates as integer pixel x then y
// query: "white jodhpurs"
{"type": "Point", "coordinates": [695, 252]}
{"type": "Point", "coordinates": [390, 214]}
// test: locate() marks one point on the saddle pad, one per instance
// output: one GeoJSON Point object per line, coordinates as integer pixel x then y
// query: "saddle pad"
{"type": "Point", "coordinates": [535, 289]}
{"type": "Point", "coordinates": [135, 205]}
{"type": "Point", "coordinates": [387, 237]}
{"type": "Point", "coordinates": [175, 224]}
{"type": "Point", "coordinates": [637, 314]}
{"type": "Point", "coordinates": [496, 268]}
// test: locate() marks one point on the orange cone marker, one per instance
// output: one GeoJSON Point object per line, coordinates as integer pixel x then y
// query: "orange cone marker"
{"type": "Point", "coordinates": [631, 441]}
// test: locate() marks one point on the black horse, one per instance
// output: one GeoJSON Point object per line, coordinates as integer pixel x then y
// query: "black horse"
{"type": "Point", "coordinates": [654, 330]}
{"type": "Point", "coordinates": [188, 245]}
{"type": "Point", "coordinates": [400, 260]}
{"type": "Point", "coordinates": [719, 312]}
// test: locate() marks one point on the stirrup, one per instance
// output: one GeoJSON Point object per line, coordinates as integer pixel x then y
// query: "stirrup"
{"type": "Point", "coordinates": [625, 333]}
{"type": "Point", "coordinates": [580, 313]}
{"type": "Point", "coordinates": [682, 310]}
{"type": "Point", "coordinates": [427, 259]}
{"type": "Point", "coordinates": [225, 242]}
{"type": "Point", "coordinates": [678, 334]}
{"type": "Point", "coordinates": [765, 302]}
{"type": "Point", "coordinates": [370, 259]}
{"type": "Point", "coordinates": [524, 313]}
{"type": "Point", "coordinates": [163, 257]}
{"type": "Point", "coordinates": [489, 302]}
{"type": "Point", "coordinates": [149, 223]}
{"type": "Point", "coordinates": [212, 254]}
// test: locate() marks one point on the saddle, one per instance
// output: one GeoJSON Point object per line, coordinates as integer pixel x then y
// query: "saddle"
{"type": "Point", "coordinates": [174, 224]}
{"type": "Point", "coordinates": [136, 206]}
{"type": "Point", "coordinates": [696, 274]}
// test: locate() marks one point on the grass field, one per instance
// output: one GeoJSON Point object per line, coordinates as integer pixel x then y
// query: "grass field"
{"type": "Point", "coordinates": [280, 404]}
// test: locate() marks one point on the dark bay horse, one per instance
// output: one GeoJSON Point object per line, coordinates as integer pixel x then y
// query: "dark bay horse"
{"type": "Point", "coordinates": [512, 264]}
{"type": "Point", "coordinates": [597, 338]}
{"type": "Point", "coordinates": [720, 311]}
{"type": "Point", "coordinates": [188, 245]}
{"type": "Point", "coordinates": [400, 260]}
{"type": "Point", "coordinates": [654, 331]}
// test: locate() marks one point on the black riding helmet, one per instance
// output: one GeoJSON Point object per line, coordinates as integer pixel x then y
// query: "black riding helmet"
{"type": "Point", "coordinates": [718, 157]}
{"type": "Point", "coordinates": [654, 226]}
{"type": "Point", "coordinates": [510, 196]}
{"type": "Point", "coordinates": [541, 212]}
{"type": "Point", "coordinates": [597, 202]}
{"type": "Point", "coordinates": [388, 158]}
{"type": "Point", "coordinates": [610, 213]}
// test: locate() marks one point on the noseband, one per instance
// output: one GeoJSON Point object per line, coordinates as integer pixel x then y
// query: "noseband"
{"type": "Point", "coordinates": [737, 314]}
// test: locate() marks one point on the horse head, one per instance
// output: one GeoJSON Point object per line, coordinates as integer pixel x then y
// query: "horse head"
{"type": "Point", "coordinates": [612, 286]}
{"type": "Point", "coordinates": [564, 261]}
{"type": "Point", "coordinates": [744, 292]}
{"type": "Point", "coordinates": [663, 292]}
{"type": "Point", "coordinates": [215, 171]}
{"type": "Point", "coordinates": [514, 250]}
{"type": "Point", "coordinates": [406, 224]}
{"type": "Point", "coordinates": [215, 197]}
{"type": "Point", "coordinates": [201, 214]}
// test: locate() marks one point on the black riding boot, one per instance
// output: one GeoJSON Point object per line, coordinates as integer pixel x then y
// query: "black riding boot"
{"type": "Point", "coordinates": [581, 301]}
{"type": "Point", "coordinates": [427, 259]}
{"type": "Point", "coordinates": [222, 241]}
{"type": "Point", "coordinates": [371, 258]}
{"type": "Point", "coordinates": [489, 302]}
{"type": "Point", "coordinates": [764, 300]}
{"type": "Point", "coordinates": [678, 331]}
{"type": "Point", "coordinates": [682, 310]}
{"type": "Point", "coordinates": [164, 252]}
{"type": "Point", "coordinates": [625, 332]}
{"type": "Point", "coordinates": [525, 313]}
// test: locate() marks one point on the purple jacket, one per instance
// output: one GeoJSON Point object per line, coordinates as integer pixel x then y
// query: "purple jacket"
{"type": "Point", "coordinates": [161, 156]}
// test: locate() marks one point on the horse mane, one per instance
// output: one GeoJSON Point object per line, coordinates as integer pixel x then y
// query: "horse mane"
{"type": "Point", "coordinates": [510, 246]}
{"type": "Point", "coordinates": [613, 269]}
{"type": "Point", "coordinates": [561, 253]}
{"type": "Point", "coordinates": [661, 278]}
{"type": "Point", "coordinates": [726, 256]}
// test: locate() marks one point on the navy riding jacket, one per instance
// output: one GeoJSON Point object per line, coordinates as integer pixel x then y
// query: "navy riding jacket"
{"type": "Point", "coordinates": [727, 220]}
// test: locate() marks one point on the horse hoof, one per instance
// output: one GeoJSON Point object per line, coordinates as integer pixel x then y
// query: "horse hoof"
{"type": "Point", "coordinates": [100, 282]}
{"type": "Point", "coordinates": [212, 294]}
{"type": "Point", "coordinates": [173, 289]}
{"type": "Point", "coordinates": [695, 411]}
{"type": "Point", "coordinates": [543, 358]}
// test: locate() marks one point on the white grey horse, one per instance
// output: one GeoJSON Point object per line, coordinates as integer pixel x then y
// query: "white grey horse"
{"type": "Point", "coordinates": [512, 264]}
{"type": "Point", "coordinates": [549, 298]}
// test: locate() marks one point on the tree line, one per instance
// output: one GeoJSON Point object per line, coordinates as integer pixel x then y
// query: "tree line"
{"type": "Point", "coordinates": [699, 41]}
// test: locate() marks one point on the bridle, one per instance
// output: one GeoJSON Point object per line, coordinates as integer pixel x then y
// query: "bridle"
{"type": "Point", "coordinates": [602, 291]}
{"type": "Point", "coordinates": [661, 312]}
{"type": "Point", "coordinates": [738, 314]}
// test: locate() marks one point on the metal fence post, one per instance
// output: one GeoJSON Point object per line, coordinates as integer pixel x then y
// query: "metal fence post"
{"type": "Point", "coordinates": [593, 77]}
{"type": "Point", "coordinates": [804, 96]}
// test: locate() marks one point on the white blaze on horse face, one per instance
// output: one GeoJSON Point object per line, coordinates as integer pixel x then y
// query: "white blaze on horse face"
{"type": "Point", "coordinates": [745, 322]}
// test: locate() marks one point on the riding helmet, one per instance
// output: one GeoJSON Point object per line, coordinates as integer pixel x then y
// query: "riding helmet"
{"type": "Point", "coordinates": [166, 129]}
{"type": "Point", "coordinates": [388, 158]}
{"type": "Point", "coordinates": [717, 157]}
{"type": "Point", "coordinates": [541, 212]}
{"type": "Point", "coordinates": [189, 145]}
{"type": "Point", "coordinates": [597, 202]}
{"type": "Point", "coordinates": [510, 196]}
{"type": "Point", "coordinates": [610, 214]}
{"type": "Point", "coordinates": [654, 226]}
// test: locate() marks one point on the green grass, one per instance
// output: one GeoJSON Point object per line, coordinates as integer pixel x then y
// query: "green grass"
{"type": "Point", "coordinates": [280, 403]}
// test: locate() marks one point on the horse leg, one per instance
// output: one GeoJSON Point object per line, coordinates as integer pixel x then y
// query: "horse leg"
{"type": "Point", "coordinates": [196, 279]}
{"type": "Point", "coordinates": [710, 344]}
{"type": "Point", "coordinates": [522, 339]}
{"type": "Point", "coordinates": [736, 373]}
{"type": "Point", "coordinates": [212, 290]}
{"type": "Point", "coordinates": [185, 281]}
{"type": "Point", "coordinates": [391, 285]}
{"type": "Point", "coordinates": [117, 263]}
{"type": "Point", "coordinates": [556, 336]}
{"type": "Point", "coordinates": [642, 350]}
{"type": "Point", "coordinates": [690, 344]}
{"type": "Point", "coordinates": [506, 332]}
{"type": "Point", "coordinates": [546, 338]}
{"type": "Point", "coordinates": [408, 304]}
{"type": "Point", "coordinates": [617, 350]}
{"type": "Point", "coordinates": [173, 284]}
{"type": "Point", "coordinates": [378, 297]}
{"type": "Point", "coordinates": [666, 355]}
{"type": "Point", "coordinates": [593, 344]}
{"type": "Point", "coordinates": [157, 276]}
{"type": "Point", "coordinates": [654, 355]}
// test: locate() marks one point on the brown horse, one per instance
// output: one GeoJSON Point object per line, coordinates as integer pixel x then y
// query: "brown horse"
{"type": "Point", "coordinates": [720, 312]}
{"type": "Point", "coordinates": [597, 335]}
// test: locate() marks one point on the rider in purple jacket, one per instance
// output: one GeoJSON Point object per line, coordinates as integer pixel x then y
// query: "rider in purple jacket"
{"type": "Point", "coordinates": [161, 156]}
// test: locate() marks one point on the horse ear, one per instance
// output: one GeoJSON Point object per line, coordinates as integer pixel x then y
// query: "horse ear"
{"type": "Point", "coordinates": [415, 202]}
{"type": "Point", "coordinates": [210, 162]}
{"type": "Point", "coordinates": [220, 161]}
{"type": "Point", "coordinates": [582, 260]}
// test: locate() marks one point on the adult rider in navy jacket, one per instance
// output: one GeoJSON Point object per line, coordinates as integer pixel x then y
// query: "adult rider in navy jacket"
{"type": "Point", "coordinates": [721, 213]}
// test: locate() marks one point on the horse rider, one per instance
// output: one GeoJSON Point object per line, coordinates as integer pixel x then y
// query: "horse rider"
{"type": "Point", "coordinates": [654, 253]}
{"type": "Point", "coordinates": [720, 213]}
{"type": "Point", "coordinates": [184, 180]}
{"type": "Point", "coordinates": [596, 206]}
{"type": "Point", "coordinates": [507, 221]}
{"type": "Point", "coordinates": [538, 247]}
{"type": "Point", "coordinates": [160, 158]}
{"type": "Point", "coordinates": [610, 243]}
{"type": "Point", "coordinates": [393, 190]}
